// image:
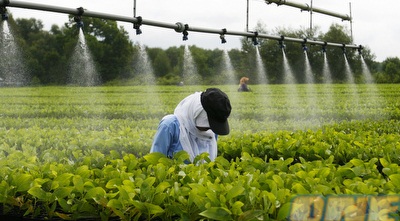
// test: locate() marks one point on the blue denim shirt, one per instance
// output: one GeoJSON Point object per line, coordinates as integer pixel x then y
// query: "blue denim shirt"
{"type": "Point", "coordinates": [166, 140]}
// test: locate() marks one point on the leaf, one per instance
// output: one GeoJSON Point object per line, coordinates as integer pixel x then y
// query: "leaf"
{"type": "Point", "coordinates": [251, 215]}
{"type": "Point", "coordinates": [300, 189]}
{"type": "Point", "coordinates": [114, 183]}
{"type": "Point", "coordinates": [234, 192]}
{"type": "Point", "coordinates": [278, 180]}
{"type": "Point", "coordinates": [217, 213]}
{"type": "Point", "coordinates": [147, 208]}
{"type": "Point", "coordinates": [284, 211]}
{"type": "Point", "coordinates": [357, 162]}
{"type": "Point", "coordinates": [162, 186]}
{"type": "Point", "coordinates": [115, 204]}
{"type": "Point", "coordinates": [237, 208]}
{"type": "Point", "coordinates": [64, 179]}
{"type": "Point", "coordinates": [38, 193]}
{"type": "Point", "coordinates": [395, 178]}
{"type": "Point", "coordinates": [154, 157]}
{"type": "Point", "coordinates": [62, 192]}
{"type": "Point", "coordinates": [384, 162]}
{"type": "Point", "coordinates": [95, 193]}
{"type": "Point", "coordinates": [22, 182]}
{"type": "Point", "coordinates": [153, 209]}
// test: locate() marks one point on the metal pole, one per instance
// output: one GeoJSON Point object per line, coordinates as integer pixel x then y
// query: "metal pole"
{"type": "Point", "coordinates": [134, 8]}
{"type": "Point", "coordinates": [178, 27]}
{"type": "Point", "coordinates": [351, 24]}
{"type": "Point", "coordinates": [305, 7]}
{"type": "Point", "coordinates": [247, 16]}
{"type": "Point", "coordinates": [311, 21]}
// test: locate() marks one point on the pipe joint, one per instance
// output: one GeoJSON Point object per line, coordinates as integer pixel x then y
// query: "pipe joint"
{"type": "Point", "coordinates": [180, 27]}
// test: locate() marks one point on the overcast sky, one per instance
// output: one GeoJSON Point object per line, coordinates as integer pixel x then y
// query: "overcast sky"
{"type": "Point", "coordinates": [375, 23]}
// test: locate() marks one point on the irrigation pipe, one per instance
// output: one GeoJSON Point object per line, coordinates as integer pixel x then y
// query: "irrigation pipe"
{"type": "Point", "coordinates": [178, 27]}
{"type": "Point", "coordinates": [306, 7]}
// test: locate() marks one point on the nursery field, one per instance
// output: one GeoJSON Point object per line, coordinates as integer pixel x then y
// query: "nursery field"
{"type": "Point", "coordinates": [82, 153]}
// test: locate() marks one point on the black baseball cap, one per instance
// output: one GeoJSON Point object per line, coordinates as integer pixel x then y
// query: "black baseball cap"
{"type": "Point", "coordinates": [218, 108]}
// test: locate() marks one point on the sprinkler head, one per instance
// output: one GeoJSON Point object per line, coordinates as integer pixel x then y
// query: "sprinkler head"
{"type": "Point", "coordinates": [137, 25]}
{"type": "Point", "coordinates": [254, 39]}
{"type": "Point", "coordinates": [185, 33]}
{"type": "Point", "coordinates": [360, 48]}
{"type": "Point", "coordinates": [304, 46]}
{"type": "Point", "coordinates": [4, 13]}
{"type": "Point", "coordinates": [79, 22]}
{"type": "Point", "coordinates": [222, 36]}
{"type": "Point", "coordinates": [344, 48]}
{"type": "Point", "coordinates": [324, 47]}
{"type": "Point", "coordinates": [223, 40]}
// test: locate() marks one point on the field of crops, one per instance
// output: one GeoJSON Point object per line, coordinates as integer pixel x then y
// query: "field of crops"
{"type": "Point", "coordinates": [82, 153]}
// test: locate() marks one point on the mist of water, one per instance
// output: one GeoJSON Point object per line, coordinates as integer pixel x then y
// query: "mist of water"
{"type": "Point", "coordinates": [292, 95]}
{"type": "Point", "coordinates": [366, 72]}
{"type": "Point", "coordinates": [311, 96]}
{"type": "Point", "coordinates": [326, 71]}
{"type": "Point", "coordinates": [327, 80]}
{"type": "Point", "coordinates": [348, 71]}
{"type": "Point", "coordinates": [371, 89]}
{"type": "Point", "coordinates": [145, 75]}
{"type": "Point", "coordinates": [143, 68]}
{"type": "Point", "coordinates": [228, 71]}
{"type": "Point", "coordinates": [190, 74]}
{"type": "Point", "coordinates": [13, 71]}
{"type": "Point", "coordinates": [353, 102]}
{"type": "Point", "coordinates": [82, 68]}
{"type": "Point", "coordinates": [287, 70]}
{"type": "Point", "coordinates": [261, 72]}
{"type": "Point", "coordinates": [308, 70]}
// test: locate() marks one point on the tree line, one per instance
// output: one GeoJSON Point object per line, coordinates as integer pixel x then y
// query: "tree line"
{"type": "Point", "coordinates": [46, 54]}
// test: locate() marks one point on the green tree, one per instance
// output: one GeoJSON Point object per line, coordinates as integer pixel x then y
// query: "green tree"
{"type": "Point", "coordinates": [391, 68]}
{"type": "Point", "coordinates": [43, 55]}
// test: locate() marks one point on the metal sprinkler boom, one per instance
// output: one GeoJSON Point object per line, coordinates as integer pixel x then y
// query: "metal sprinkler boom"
{"type": "Point", "coordinates": [178, 27]}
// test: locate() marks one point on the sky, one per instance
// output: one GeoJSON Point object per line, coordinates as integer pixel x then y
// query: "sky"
{"type": "Point", "coordinates": [375, 25]}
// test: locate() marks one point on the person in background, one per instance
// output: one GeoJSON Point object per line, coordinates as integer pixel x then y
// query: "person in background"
{"type": "Point", "coordinates": [195, 125]}
{"type": "Point", "coordinates": [243, 84]}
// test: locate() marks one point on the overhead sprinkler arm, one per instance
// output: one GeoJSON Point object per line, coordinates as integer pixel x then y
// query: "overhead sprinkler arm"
{"type": "Point", "coordinates": [306, 7]}
{"type": "Point", "coordinates": [178, 27]}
